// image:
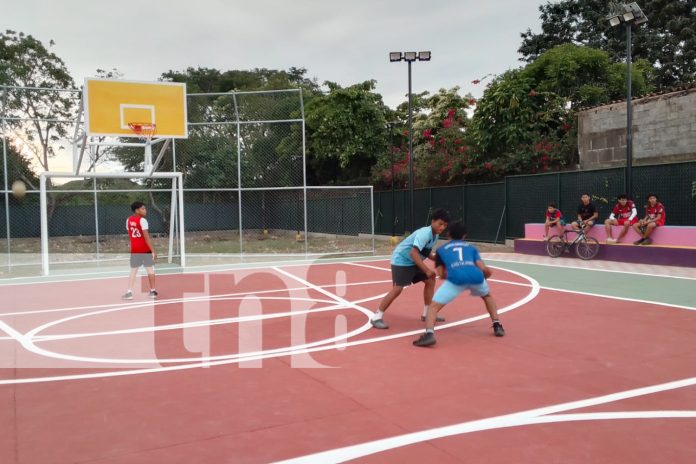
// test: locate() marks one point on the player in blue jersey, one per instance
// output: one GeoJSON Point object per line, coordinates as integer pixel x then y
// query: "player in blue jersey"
{"type": "Point", "coordinates": [408, 267]}
{"type": "Point", "coordinates": [460, 263]}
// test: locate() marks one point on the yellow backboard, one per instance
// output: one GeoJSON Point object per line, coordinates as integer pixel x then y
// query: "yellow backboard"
{"type": "Point", "coordinates": [110, 105]}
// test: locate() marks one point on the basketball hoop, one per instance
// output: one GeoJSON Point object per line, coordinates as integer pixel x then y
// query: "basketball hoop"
{"type": "Point", "coordinates": [145, 130]}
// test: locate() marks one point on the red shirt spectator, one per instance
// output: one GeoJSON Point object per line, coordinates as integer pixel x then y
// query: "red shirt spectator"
{"type": "Point", "coordinates": [651, 212]}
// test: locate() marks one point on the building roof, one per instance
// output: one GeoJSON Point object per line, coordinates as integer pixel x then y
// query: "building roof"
{"type": "Point", "coordinates": [681, 89]}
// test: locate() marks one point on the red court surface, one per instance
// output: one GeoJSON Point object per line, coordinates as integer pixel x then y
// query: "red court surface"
{"type": "Point", "coordinates": [264, 365]}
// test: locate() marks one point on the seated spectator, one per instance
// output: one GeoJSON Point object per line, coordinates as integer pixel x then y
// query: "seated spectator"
{"type": "Point", "coordinates": [587, 214]}
{"type": "Point", "coordinates": [553, 219]}
{"type": "Point", "coordinates": [654, 217]}
{"type": "Point", "coordinates": [624, 214]}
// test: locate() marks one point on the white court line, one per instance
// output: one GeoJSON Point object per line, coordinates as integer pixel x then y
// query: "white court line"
{"type": "Point", "coordinates": [202, 269]}
{"type": "Point", "coordinates": [532, 416]}
{"type": "Point", "coordinates": [30, 339]}
{"type": "Point", "coordinates": [616, 271]}
{"type": "Point", "coordinates": [175, 300]}
{"type": "Point", "coordinates": [290, 352]}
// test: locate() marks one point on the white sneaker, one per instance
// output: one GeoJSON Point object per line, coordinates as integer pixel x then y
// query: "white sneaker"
{"type": "Point", "coordinates": [611, 240]}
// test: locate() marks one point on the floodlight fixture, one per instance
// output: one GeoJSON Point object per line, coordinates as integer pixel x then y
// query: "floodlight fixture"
{"type": "Point", "coordinates": [394, 56]}
{"type": "Point", "coordinates": [628, 13]}
{"type": "Point", "coordinates": [423, 56]}
{"type": "Point", "coordinates": [410, 56]}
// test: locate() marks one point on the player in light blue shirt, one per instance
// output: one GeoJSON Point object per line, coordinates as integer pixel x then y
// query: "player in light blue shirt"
{"type": "Point", "coordinates": [408, 268]}
{"type": "Point", "coordinates": [460, 263]}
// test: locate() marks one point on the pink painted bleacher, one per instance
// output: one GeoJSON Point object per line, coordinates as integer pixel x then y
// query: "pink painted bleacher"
{"type": "Point", "coordinates": [677, 236]}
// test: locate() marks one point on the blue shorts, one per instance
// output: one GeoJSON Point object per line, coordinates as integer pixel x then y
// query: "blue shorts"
{"type": "Point", "coordinates": [449, 291]}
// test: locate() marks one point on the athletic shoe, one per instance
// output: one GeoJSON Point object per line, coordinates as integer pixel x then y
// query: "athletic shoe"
{"type": "Point", "coordinates": [437, 319]}
{"type": "Point", "coordinates": [639, 242]}
{"type": "Point", "coordinates": [427, 339]}
{"type": "Point", "coordinates": [498, 329]}
{"type": "Point", "coordinates": [153, 294]}
{"type": "Point", "coordinates": [378, 324]}
{"type": "Point", "coordinates": [647, 241]}
{"type": "Point", "coordinates": [611, 240]}
{"type": "Point", "coordinates": [127, 296]}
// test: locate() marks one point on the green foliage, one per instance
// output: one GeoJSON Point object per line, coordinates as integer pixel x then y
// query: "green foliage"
{"type": "Point", "coordinates": [667, 42]}
{"type": "Point", "coordinates": [441, 145]}
{"type": "Point", "coordinates": [18, 168]}
{"type": "Point", "coordinates": [345, 132]}
{"type": "Point", "coordinates": [584, 76]}
{"type": "Point", "coordinates": [26, 62]}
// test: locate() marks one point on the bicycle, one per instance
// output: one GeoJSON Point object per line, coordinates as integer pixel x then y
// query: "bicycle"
{"type": "Point", "coordinates": [585, 247]}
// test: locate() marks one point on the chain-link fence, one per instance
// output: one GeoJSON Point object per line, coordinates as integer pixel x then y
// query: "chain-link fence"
{"type": "Point", "coordinates": [243, 170]}
{"type": "Point", "coordinates": [497, 211]}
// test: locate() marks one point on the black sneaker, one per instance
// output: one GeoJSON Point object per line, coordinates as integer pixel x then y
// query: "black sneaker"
{"type": "Point", "coordinates": [639, 242]}
{"type": "Point", "coordinates": [647, 241]}
{"type": "Point", "coordinates": [498, 329]}
{"type": "Point", "coordinates": [153, 294]}
{"type": "Point", "coordinates": [127, 296]}
{"type": "Point", "coordinates": [378, 324]}
{"type": "Point", "coordinates": [437, 319]}
{"type": "Point", "coordinates": [427, 339]}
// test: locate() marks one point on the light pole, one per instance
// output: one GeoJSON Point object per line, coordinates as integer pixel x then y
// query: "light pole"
{"type": "Point", "coordinates": [410, 57]}
{"type": "Point", "coordinates": [391, 125]}
{"type": "Point", "coordinates": [628, 14]}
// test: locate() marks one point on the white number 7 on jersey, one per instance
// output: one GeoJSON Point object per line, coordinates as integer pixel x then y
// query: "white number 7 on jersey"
{"type": "Point", "coordinates": [459, 250]}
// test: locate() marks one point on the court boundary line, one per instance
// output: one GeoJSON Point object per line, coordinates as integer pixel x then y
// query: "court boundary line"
{"type": "Point", "coordinates": [157, 302]}
{"type": "Point", "coordinates": [592, 269]}
{"type": "Point", "coordinates": [535, 288]}
{"type": "Point", "coordinates": [209, 268]}
{"type": "Point", "coordinates": [545, 414]}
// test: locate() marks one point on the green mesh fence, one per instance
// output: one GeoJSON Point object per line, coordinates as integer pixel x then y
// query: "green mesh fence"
{"type": "Point", "coordinates": [525, 199]}
{"type": "Point", "coordinates": [674, 184]}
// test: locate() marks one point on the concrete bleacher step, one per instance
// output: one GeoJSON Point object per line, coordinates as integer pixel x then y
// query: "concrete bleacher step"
{"type": "Point", "coordinates": [668, 255]}
{"type": "Point", "coordinates": [680, 236]}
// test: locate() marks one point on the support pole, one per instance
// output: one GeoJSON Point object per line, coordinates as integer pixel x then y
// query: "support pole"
{"type": "Point", "coordinates": [44, 225]}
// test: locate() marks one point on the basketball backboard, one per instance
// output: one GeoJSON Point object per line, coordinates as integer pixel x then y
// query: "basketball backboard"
{"type": "Point", "coordinates": [110, 105]}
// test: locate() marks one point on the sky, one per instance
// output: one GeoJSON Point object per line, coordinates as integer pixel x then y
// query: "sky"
{"type": "Point", "coordinates": [346, 41]}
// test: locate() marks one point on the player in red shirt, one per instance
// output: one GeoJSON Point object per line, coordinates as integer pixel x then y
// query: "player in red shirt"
{"type": "Point", "coordinates": [553, 219]}
{"type": "Point", "coordinates": [624, 214]}
{"type": "Point", "coordinates": [142, 251]}
{"type": "Point", "coordinates": [654, 217]}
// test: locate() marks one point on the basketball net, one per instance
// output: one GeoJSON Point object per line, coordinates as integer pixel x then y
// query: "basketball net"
{"type": "Point", "coordinates": [145, 131]}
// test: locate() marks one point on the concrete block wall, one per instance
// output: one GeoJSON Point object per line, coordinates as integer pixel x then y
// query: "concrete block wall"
{"type": "Point", "coordinates": [664, 130]}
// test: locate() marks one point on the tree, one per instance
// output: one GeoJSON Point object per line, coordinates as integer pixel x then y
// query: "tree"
{"type": "Point", "coordinates": [525, 121]}
{"type": "Point", "coordinates": [585, 76]}
{"type": "Point", "coordinates": [518, 129]}
{"type": "Point", "coordinates": [667, 41]}
{"type": "Point", "coordinates": [208, 158]}
{"type": "Point", "coordinates": [18, 168]}
{"type": "Point", "coordinates": [346, 131]}
{"type": "Point", "coordinates": [41, 118]}
{"type": "Point", "coordinates": [441, 142]}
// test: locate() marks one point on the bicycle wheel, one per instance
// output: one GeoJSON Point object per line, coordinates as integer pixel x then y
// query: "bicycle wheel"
{"type": "Point", "coordinates": [555, 246]}
{"type": "Point", "coordinates": [587, 248]}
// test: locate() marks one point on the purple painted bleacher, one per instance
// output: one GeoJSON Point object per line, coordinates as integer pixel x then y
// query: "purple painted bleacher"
{"type": "Point", "coordinates": [680, 236]}
{"type": "Point", "coordinates": [672, 245]}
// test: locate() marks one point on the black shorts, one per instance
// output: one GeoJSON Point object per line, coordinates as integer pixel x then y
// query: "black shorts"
{"type": "Point", "coordinates": [407, 275]}
{"type": "Point", "coordinates": [141, 259]}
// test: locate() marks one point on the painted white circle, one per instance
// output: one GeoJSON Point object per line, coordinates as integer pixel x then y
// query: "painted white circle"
{"type": "Point", "coordinates": [33, 336]}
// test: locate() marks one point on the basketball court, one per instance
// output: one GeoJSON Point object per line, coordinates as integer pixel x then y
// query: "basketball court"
{"type": "Point", "coordinates": [278, 362]}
